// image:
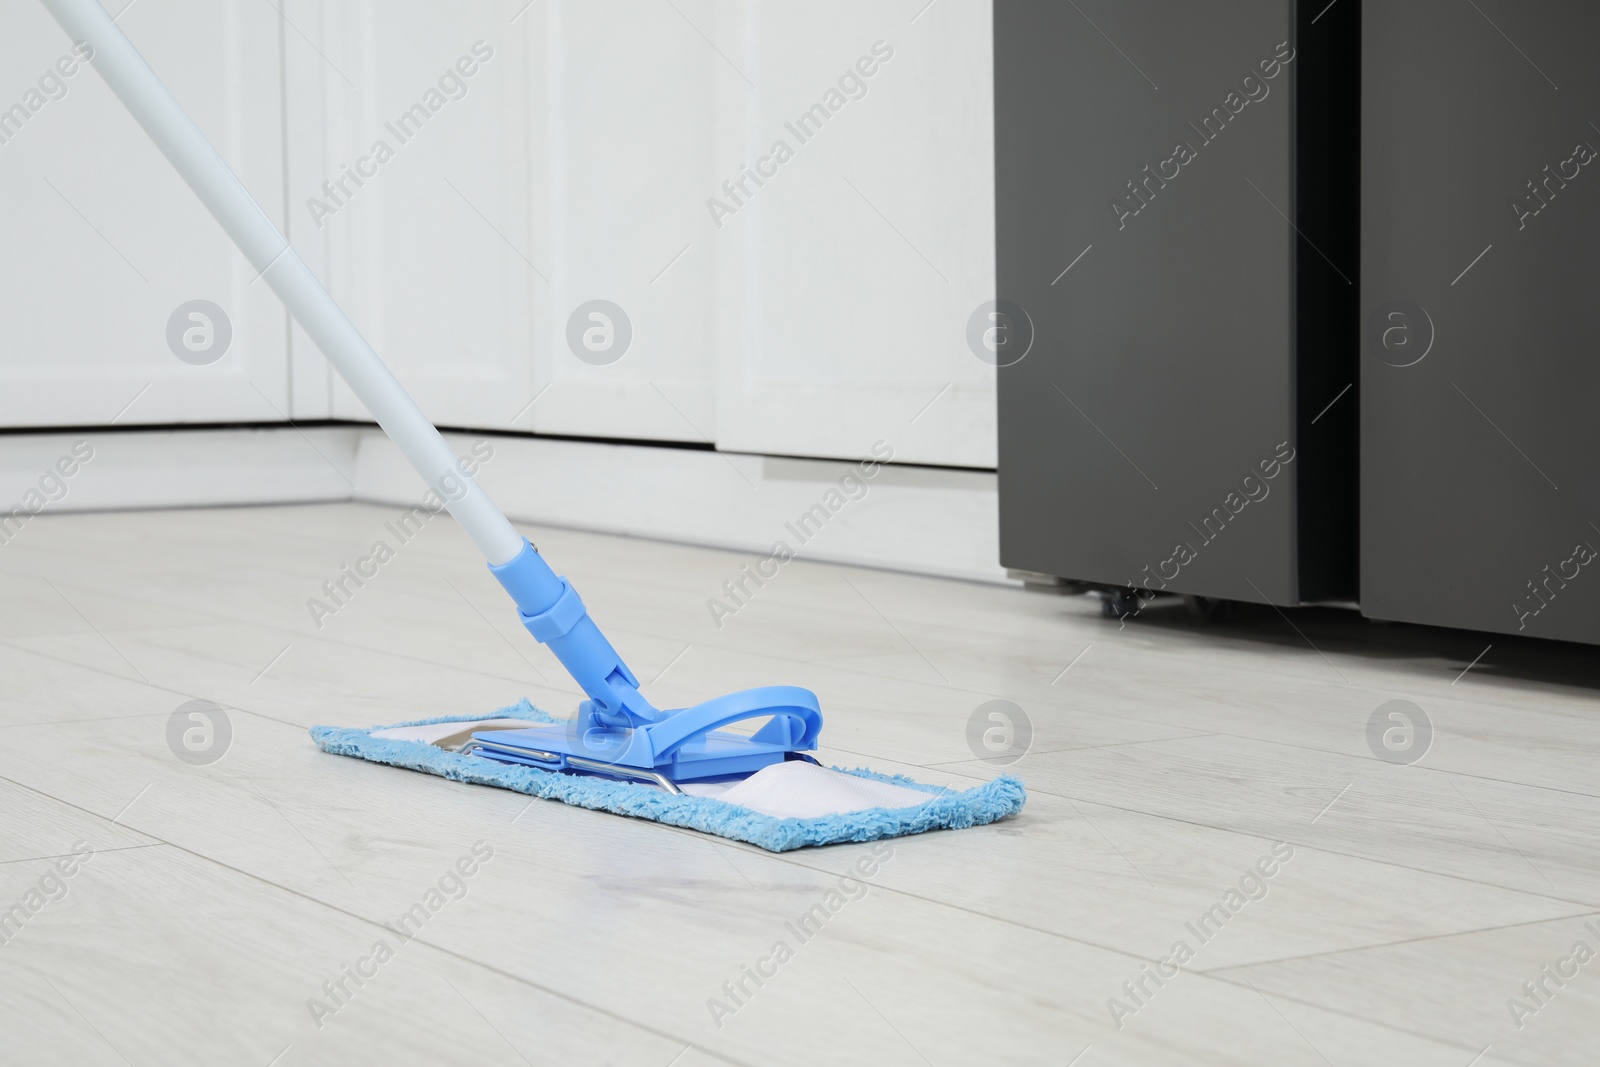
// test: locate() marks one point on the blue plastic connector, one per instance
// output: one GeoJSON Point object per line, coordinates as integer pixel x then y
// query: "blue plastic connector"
{"type": "Point", "coordinates": [554, 614]}
{"type": "Point", "coordinates": [618, 731]}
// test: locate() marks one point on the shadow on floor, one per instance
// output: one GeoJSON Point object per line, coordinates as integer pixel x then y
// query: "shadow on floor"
{"type": "Point", "coordinates": [1345, 632]}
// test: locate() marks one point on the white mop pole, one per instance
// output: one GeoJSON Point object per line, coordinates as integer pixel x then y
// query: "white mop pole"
{"type": "Point", "coordinates": [181, 141]}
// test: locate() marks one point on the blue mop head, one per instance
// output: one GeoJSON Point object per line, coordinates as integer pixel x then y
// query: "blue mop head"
{"type": "Point", "coordinates": [947, 809]}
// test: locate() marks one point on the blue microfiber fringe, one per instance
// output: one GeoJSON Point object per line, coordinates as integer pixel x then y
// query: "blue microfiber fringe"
{"type": "Point", "coordinates": [948, 810]}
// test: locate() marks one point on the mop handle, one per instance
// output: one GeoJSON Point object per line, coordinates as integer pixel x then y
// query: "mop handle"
{"type": "Point", "coordinates": [550, 608]}
{"type": "Point", "coordinates": [271, 255]}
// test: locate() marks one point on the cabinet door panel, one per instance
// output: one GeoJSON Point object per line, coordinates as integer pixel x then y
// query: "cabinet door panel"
{"type": "Point", "coordinates": [564, 169]}
{"type": "Point", "coordinates": [868, 246]}
{"type": "Point", "coordinates": [102, 243]}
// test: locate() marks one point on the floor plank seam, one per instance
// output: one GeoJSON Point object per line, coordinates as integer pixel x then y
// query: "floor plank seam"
{"type": "Point", "coordinates": [1434, 1038]}
{"type": "Point", "coordinates": [1395, 944]}
{"type": "Point", "coordinates": [97, 852]}
{"type": "Point", "coordinates": [355, 916]}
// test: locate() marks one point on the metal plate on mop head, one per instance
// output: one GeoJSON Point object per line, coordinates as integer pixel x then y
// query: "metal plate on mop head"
{"type": "Point", "coordinates": [717, 754]}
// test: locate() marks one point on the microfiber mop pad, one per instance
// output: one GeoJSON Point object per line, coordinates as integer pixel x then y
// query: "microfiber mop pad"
{"type": "Point", "coordinates": [892, 805]}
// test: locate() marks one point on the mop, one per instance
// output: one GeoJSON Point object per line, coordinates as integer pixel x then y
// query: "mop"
{"type": "Point", "coordinates": [620, 753]}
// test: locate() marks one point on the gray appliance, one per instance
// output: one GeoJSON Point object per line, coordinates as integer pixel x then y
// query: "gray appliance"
{"type": "Point", "coordinates": [1480, 183]}
{"type": "Point", "coordinates": [1177, 266]}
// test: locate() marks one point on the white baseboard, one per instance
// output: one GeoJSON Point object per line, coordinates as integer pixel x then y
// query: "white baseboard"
{"type": "Point", "coordinates": [916, 519]}
{"type": "Point", "coordinates": [929, 521]}
{"type": "Point", "coordinates": [176, 468]}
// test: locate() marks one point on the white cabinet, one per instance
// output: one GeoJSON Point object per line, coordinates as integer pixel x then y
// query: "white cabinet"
{"type": "Point", "coordinates": [567, 168]}
{"type": "Point", "coordinates": [467, 177]}
{"type": "Point", "coordinates": [586, 161]}
{"type": "Point", "coordinates": [101, 242]}
{"type": "Point", "coordinates": [853, 269]}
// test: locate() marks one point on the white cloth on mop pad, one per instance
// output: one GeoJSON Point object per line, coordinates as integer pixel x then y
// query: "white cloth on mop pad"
{"type": "Point", "coordinates": [801, 790]}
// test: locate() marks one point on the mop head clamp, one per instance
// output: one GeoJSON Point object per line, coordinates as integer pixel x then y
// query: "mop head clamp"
{"type": "Point", "coordinates": [617, 731]}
